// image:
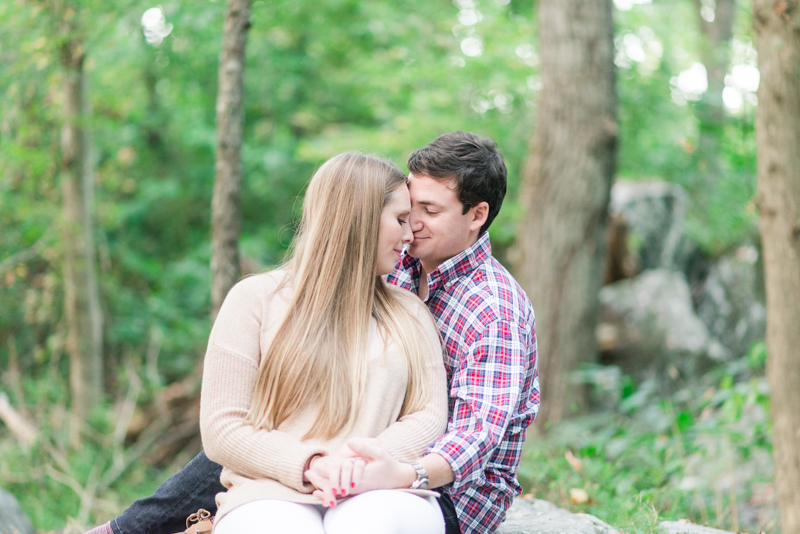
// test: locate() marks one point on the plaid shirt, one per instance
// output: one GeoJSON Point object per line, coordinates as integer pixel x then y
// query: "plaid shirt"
{"type": "Point", "coordinates": [487, 328]}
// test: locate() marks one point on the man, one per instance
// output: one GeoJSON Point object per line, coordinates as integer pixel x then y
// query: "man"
{"type": "Point", "coordinates": [457, 184]}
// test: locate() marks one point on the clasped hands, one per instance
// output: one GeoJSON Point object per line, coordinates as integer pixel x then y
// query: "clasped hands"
{"type": "Point", "coordinates": [360, 465]}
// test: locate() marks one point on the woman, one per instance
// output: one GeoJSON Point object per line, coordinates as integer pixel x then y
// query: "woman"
{"type": "Point", "coordinates": [306, 356]}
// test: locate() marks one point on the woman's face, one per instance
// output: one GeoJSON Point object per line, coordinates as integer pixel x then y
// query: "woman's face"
{"type": "Point", "coordinates": [394, 231]}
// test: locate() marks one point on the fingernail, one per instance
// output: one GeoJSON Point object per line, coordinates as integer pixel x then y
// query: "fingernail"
{"type": "Point", "coordinates": [352, 484]}
{"type": "Point", "coordinates": [333, 504]}
{"type": "Point", "coordinates": [334, 491]}
{"type": "Point", "coordinates": [344, 493]}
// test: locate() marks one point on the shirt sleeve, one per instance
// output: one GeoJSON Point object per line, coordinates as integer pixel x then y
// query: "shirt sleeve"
{"type": "Point", "coordinates": [229, 379]}
{"type": "Point", "coordinates": [409, 437]}
{"type": "Point", "coordinates": [485, 390]}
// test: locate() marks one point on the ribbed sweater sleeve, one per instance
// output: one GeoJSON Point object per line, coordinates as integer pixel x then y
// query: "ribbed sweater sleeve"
{"type": "Point", "coordinates": [409, 437]}
{"type": "Point", "coordinates": [229, 379]}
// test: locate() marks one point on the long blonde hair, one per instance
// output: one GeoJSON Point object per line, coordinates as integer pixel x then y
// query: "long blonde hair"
{"type": "Point", "coordinates": [319, 353]}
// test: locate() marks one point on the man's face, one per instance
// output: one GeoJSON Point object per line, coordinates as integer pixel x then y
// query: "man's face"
{"type": "Point", "coordinates": [441, 228]}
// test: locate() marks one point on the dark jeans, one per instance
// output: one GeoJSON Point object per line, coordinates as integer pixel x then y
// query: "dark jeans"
{"type": "Point", "coordinates": [194, 487]}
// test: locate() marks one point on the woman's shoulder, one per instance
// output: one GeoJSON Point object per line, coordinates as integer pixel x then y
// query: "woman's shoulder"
{"type": "Point", "coordinates": [267, 281]}
{"type": "Point", "coordinates": [255, 289]}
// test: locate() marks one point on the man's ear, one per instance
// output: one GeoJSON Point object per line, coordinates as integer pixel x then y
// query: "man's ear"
{"type": "Point", "coordinates": [479, 215]}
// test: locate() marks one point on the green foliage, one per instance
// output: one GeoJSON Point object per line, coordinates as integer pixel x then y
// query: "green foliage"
{"type": "Point", "coordinates": [700, 455]}
{"type": "Point", "coordinates": [660, 131]}
{"type": "Point", "coordinates": [55, 482]}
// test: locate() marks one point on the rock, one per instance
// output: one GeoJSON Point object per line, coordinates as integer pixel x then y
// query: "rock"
{"type": "Point", "coordinates": [653, 213]}
{"type": "Point", "coordinates": [679, 527]}
{"type": "Point", "coordinates": [12, 519]}
{"type": "Point", "coordinates": [541, 517]}
{"type": "Point", "coordinates": [536, 516]}
{"type": "Point", "coordinates": [731, 302]}
{"type": "Point", "coordinates": [650, 330]}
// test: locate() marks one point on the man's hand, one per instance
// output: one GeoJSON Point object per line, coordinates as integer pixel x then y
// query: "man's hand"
{"type": "Point", "coordinates": [381, 470]}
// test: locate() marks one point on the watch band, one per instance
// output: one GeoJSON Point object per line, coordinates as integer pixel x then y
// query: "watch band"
{"type": "Point", "coordinates": [422, 481]}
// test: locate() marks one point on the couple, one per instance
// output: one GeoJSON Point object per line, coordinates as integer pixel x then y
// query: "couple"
{"type": "Point", "coordinates": [342, 387]}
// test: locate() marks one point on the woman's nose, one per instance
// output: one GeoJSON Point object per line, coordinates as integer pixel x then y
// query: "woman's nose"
{"type": "Point", "coordinates": [408, 235]}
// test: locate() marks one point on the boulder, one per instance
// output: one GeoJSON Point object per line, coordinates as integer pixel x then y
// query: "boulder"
{"type": "Point", "coordinates": [648, 327]}
{"type": "Point", "coordinates": [731, 301]}
{"type": "Point", "coordinates": [653, 214]}
{"type": "Point", "coordinates": [541, 517]}
{"type": "Point", "coordinates": [534, 516]}
{"type": "Point", "coordinates": [12, 519]}
{"type": "Point", "coordinates": [682, 527]}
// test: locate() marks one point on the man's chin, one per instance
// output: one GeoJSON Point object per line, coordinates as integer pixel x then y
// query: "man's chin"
{"type": "Point", "coordinates": [413, 251]}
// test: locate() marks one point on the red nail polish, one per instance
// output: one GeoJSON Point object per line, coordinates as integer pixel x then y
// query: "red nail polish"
{"type": "Point", "coordinates": [333, 504]}
{"type": "Point", "coordinates": [352, 484]}
{"type": "Point", "coordinates": [344, 493]}
{"type": "Point", "coordinates": [334, 491]}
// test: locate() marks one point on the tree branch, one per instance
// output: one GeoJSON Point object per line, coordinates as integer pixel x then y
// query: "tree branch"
{"type": "Point", "coordinates": [23, 430]}
{"type": "Point", "coordinates": [27, 254]}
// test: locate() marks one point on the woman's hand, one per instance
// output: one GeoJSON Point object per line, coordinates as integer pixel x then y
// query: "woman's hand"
{"type": "Point", "coordinates": [335, 475]}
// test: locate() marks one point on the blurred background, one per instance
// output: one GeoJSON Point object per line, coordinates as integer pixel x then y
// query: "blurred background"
{"type": "Point", "coordinates": [658, 405]}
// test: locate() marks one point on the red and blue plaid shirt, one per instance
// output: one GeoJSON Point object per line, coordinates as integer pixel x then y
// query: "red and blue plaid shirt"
{"type": "Point", "coordinates": [488, 332]}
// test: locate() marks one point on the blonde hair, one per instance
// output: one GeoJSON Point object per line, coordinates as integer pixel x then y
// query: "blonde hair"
{"type": "Point", "coordinates": [319, 353]}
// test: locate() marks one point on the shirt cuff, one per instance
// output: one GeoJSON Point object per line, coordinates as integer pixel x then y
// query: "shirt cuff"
{"type": "Point", "coordinates": [462, 455]}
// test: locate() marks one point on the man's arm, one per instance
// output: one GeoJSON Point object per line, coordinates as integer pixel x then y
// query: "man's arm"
{"type": "Point", "coordinates": [486, 389]}
{"type": "Point", "coordinates": [439, 470]}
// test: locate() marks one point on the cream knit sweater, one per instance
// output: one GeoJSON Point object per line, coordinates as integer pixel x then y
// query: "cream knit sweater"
{"type": "Point", "coordinates": [260, 464]}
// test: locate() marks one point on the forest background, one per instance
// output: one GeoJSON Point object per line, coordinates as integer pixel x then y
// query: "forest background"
{"type": "Point", "coordinates": [322, 77]}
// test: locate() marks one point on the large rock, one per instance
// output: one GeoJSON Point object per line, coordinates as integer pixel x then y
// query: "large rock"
{"type": "Point", "coordinates": [653, 213]}
{"type": "Point", "coordinates": [12, 519]}
{"type": "Point", "coordinates": [731, 303]}
{"type": "Point", "coordinates": [541, 517]}
{"type": "Point", "coordinates": [649, 328]}
{"type": "Point", "coordinates": [535, 516]}
{"type": "Point", "coordinates": [680, 527]}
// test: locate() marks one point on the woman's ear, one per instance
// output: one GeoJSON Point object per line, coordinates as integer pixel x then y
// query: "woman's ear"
{"type": "Point", "coordinates": [479, 215]}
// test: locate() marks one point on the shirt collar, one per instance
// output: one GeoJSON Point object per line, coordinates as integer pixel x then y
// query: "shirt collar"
{"type": "Point", "coordinates": [449, 271]}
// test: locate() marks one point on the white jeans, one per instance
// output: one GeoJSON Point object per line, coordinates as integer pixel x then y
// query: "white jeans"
{"type": "Point", "coordinates": [374, 512]}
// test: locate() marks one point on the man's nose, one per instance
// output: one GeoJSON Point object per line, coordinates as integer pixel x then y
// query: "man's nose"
{"type": "Point", "coordinates": [414, 223]}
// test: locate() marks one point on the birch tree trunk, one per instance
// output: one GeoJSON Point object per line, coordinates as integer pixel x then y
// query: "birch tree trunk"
{"type": "Point", "coordinates": [565, 191]}
{"type": "Point", "coordinates": [83, 313]}
{"type": "Point", "coordinates": [777, 27]}
{"type": "Point", "coordinates": [225, 215]}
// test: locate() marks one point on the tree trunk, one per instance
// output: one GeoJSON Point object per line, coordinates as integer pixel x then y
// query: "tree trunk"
{"type": "Point", "coordinates": [715, 45]}
{"type": "Point", "coordinates": [225, 216]}
{"type": "Point", "coordinates": [81, 289]}
{"type": "Point", "coordinates": [565, 191]}
{"type": "Point", "coordinates": [777, 28]}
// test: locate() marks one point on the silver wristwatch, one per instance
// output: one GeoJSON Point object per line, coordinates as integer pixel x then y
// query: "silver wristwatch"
{"type": "Point", "coordinates": [422, 476]}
